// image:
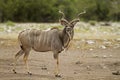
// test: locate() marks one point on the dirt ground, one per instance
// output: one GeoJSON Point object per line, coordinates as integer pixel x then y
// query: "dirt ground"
{"type": "Point", "coordinates": [96, 64]}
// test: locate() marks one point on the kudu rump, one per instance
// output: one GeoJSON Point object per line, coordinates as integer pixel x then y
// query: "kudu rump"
{"type": "Point", "coordinates": [54, 40]}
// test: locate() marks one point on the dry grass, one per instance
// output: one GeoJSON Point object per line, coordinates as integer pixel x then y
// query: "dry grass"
{"type": "Point", "coordinates": [83, 32]}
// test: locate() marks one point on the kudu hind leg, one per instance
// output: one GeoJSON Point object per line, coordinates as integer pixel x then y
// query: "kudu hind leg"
{"type": "Point", "coordinates": [25, 58]}
{"type": "Point", "coordinates": [20, 53]}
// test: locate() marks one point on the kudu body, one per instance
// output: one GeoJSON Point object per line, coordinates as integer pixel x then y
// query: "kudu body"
{"type": "Point", "coordinates": [54, 40]}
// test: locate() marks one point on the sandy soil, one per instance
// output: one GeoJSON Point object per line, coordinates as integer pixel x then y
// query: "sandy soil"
{"type": "Point", "coordinates": [97, 64]}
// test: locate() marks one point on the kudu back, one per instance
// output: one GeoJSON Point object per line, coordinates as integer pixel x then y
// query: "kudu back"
{"type": "Point", "coordinates": [54, 40]}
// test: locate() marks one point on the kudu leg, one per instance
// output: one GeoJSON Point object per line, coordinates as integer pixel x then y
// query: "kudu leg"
{"type": "Point", "coordinates": [25, 58]}
{"type": "Point", "coordinates": [16, 58]}
{"type": "Point", "coordinates": [57, 70]}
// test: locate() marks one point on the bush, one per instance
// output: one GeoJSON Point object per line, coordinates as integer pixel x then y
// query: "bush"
{"type": "Point", "coordinates": [10, 23]}
{"type": "Point", "coordinates": [47, 10]}
{"type": "Point", "coordinates": [93, 23]}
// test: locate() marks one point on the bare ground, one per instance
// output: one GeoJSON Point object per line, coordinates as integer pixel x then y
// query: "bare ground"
{"type": "Point", "coordinates": [97, 64]}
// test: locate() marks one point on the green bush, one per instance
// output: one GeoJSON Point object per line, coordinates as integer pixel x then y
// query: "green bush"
{"type": "Point", "coordinates": [93, 23]}
{"type": "Point", "coordinates": [10, 23]}
{"type": "Point", "coordinates": [47, 10]}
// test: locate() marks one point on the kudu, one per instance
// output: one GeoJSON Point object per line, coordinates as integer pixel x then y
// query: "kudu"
{"type": "Point", "coordinates": [54, 40]}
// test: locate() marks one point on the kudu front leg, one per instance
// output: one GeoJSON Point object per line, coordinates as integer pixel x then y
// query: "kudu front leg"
{"type": "Point", "coordinates": [57, 70]}
{"type": "Point", "coordinates": [25, 58]}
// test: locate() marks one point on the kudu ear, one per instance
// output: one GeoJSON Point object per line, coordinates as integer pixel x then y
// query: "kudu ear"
{"type": "Point", "coordinates": [64, 22]}
{"type": "Point", "coordinates": [73, 22]}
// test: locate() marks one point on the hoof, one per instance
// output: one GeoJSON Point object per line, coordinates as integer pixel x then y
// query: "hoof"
{"type": "Point", "coordinates": [29, 73]}
{"type": "Point", "coordinates": [14, 71]}
{"type": "Point", "coordinates": [58, 75]}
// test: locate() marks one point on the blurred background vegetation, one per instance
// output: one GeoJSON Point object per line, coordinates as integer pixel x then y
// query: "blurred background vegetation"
{"type": "Point", "coordinates": [47, 10]}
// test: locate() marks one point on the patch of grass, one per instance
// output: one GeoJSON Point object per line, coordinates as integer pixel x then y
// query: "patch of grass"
{"type": "Point", "coordinates": [93, 23]}
{"type": "Point", "coordinates": [10, 23]}
{"type": "Point", "coordinates": [1, 29]}
{"type": "Point", "coordinates": [42, 27]}
{"type": "Point", "coordinates": [18, 28]}
{"type": "Point", "coordinates": [83, 29]}
{"type": "Point", "coordinates": [106, 29]}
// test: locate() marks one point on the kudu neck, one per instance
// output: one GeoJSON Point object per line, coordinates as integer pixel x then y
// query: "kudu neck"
{"type": "Point", "coordinates": [65, 37]}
